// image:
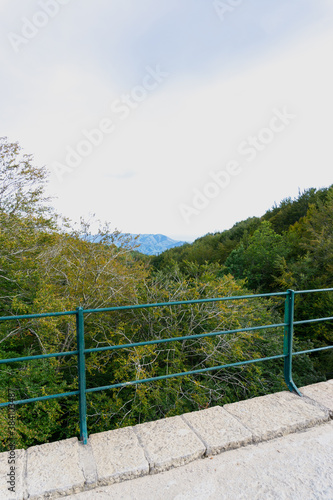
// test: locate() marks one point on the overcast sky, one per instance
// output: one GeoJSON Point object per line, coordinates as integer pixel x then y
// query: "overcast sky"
{"type": "Point", "coordinates": [178, 117]}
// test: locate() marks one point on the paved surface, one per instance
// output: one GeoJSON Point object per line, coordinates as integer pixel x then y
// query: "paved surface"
{"type": "Point", "coordinates": [274, 446]}
{"type": "Point", "coordinates": [297, 466]}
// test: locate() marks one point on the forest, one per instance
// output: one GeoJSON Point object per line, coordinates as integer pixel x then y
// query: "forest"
{"type": "Point", "coordinates": [49, 264]}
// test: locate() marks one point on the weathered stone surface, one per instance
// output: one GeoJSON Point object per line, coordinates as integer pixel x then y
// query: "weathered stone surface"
{"type": "Point", "coordinates": [294, 467]}
{"type": "Point", "coordinates": [322, 393]}
{"type": "Point", "coordinates": [169, 443]}
{"type": "Point", "coordinates": [53, 468]}
{"type": "Point", "coordinates": [218, 429]}
{"type": "Point", "coordinates": [65, 467]}
{"type": "Point", "coordinates": [17, 459]}
{"type": "Point", "coordinates": [118, 455]}
{"type": "Point", "coordinates": [276, 414]}
{"type": "Point", "coordinates": [87, 464]}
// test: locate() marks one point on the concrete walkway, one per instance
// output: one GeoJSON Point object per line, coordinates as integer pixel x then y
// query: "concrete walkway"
{"type": "Point", "coordinates": [282, 447]}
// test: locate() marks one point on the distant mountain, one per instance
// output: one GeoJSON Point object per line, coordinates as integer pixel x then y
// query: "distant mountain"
{"type": "Point", "coordinates": [149, 244]}
{"type": "Point", "coordinates": [154, 244]}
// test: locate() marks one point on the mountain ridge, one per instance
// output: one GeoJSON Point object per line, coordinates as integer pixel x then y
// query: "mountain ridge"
{"type": "Point", "coordinates": [153, 244]}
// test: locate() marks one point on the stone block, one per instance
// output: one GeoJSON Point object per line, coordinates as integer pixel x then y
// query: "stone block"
{"type": "Point", "coordinates": [277, 414]}
{"type": "Point", "coordinates": [53, 469]}
{"type": "Point", "coordinates": [118, 455]}
{"type": "Point", "coordinates": [322, 393]}
{"type": "Point", "coordinates": [218, 429]}
{"type": "Point", "coordinates": [16, 459]}
{"type": "Point", "coordinates": [168, 443]}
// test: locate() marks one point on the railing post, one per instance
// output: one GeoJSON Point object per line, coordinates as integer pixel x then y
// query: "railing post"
{"type": "Point", "coordinates": [288, 341]}
{"type": "Point", "coordinates": [81, 374]}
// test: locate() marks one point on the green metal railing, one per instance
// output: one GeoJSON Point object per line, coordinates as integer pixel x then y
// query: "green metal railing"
{"type": "Point", "coordinates": [80, 352]}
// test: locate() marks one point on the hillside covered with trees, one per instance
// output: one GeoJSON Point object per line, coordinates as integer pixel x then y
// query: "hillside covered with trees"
{"type": "Point", "coordinates": [47, 265]}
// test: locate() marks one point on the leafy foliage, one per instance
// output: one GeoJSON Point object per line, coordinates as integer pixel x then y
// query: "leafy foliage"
{"type": "Point", "coordinates": [257, 258]}
{"type": "Point", "coordinates": [46, 268]}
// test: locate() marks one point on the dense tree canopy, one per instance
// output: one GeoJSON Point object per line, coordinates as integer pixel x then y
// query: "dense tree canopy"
{"type": "Point", "coordinates": [257, 257]}
{"type": "Point", "coordinates": [47, 266]}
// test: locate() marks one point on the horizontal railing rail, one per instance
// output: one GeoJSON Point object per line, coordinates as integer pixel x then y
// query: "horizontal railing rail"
{"type": "Point", "coordinates": [81, 351]}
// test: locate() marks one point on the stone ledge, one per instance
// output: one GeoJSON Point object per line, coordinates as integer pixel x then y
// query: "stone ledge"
{"type": "Point", "coordinates": [20, 474]}
{"type": "Point", "coordinates": [321, 393]}
{"type": "Point", "coordinates": [218, 430]}
{"type": "Point", "coordinates": [168, 443]}
{"type": "Point", "coordinates": [57, 469]}
{"type": "Point", "coordinates": [118, 456]}
{"type": "Point", "coordinates": [277, 414]}
{"type": "Point", "coordinates": [54, 468]}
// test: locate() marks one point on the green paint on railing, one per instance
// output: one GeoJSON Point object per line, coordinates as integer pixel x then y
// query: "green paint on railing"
{"type": "Point", "coordinates": [288, 341]}
{"type": "Point", "coordinates": [182, 374]}
{"type": "Point", "coordinates": [38, 356]}
{"type": "Point", "coordinates": [82, 375]}
{"type": "Point", "coordinates": [185, 337]}
{"type": "Point", "coordinates": [40, 398]}
{"type": "Point", "coordinates": [80, 352]}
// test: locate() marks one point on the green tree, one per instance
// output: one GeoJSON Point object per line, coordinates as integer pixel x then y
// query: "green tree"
{"type": "Point", "coordinates": [290, 211]}
{"type": "Point", "coordinates": [27, 224]}
{"type": "Point", "coordinates": [257, 260]}
{"type": "Point", "coordinates": [46, 269]}
{"type": "Point", "coordinates": [22, 184]}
